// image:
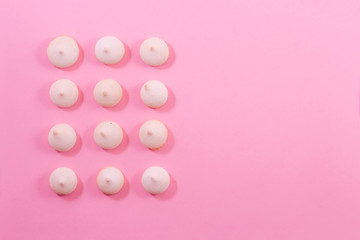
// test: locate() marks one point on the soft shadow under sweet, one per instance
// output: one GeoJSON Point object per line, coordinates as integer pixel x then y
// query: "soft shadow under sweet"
{"type": "Point", "coordinates": [77, 192]}
{"type": "Point", "coordinates": [123, 102]}
{"type": "Point", "coordinates": [169, 144]}
{"type": "Point", "coordinates": [123, 192]}
{"type": "Point", "coordinates": [170, 103]}
{"type": "Point", "coordinates": [122, 147]}
{"type": "Point", "coordinates": [78, 103]}
{"type": "Point", "coordinates": [170, 192]}
{"type": "Point", "coordinates": [76, 149]}
{"type": "Point", "coordinates": [124, 61]}
{"type": "Point", "coordinates": [171, 59]}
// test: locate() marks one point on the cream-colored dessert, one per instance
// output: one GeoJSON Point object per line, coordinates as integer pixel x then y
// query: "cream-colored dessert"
{"type": "Point", "coordinates": [62, 137]}
{"type": "Point", "coordinates": [109, 50]}
{"type": "Point", "coordinates": [63, 51]}
{"type": "Point", "coordinates": [154, 94]}
{"type": "Point", "coordinates": [108, 135]}
{"type": "Point", "coordinates": [110, 180]}
{"type": "Point", "coordinates": [107, 92]}
{"type": "Point", "coordinates": [155, 180]}
{"type": "Point", "coordinates": [63, 181]}
{"type": "Point", "coordinates": [64, 93]}
{"type": "Point", "coordinates": [153, 134]}
{"type": "Point", "coordinates": [154, 51]}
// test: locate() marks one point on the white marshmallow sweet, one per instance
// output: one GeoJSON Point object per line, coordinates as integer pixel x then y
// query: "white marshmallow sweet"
{"type": "Point", "coordinates": [153, 134]}
{"type": "Point", "coordinates": [109, 50]}
{"type": "Point", "coordinates": [62, 137]}
{"type": "Point", "coordinates": [154, 51]}
{"type": "Point", "coordinates": [64, 93]}
{"type": "Point", "coordinates": [63, 51]}
{"type": "Point", "coordinates": [108, 135]}
{"type": "Point", "coordinates": [154, 94]}
{"type": "Point", "coordinates": [108, 92]}
{"type": "Point", "coordinates": [63, 181]}
{"type": "Point", "coordinates": [155, 180]}
{"type": "Point", "coordinates": [110, 180]}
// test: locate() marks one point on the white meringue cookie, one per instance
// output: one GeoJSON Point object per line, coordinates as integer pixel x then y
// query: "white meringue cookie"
{"type": "Point", "coordinates": [154, 94]}
{"type": "Point", "coordinates": [110, 180]}
{"type": "Point", "coordinates": [109, 50]}
{"type": "Point", "coordinates": [155, 180]}
{"type": "Point", "coordinates": [153, 134]}
{"type": "Point", "coordinates": [108, 135]}
{"type": "Point", "coordinates": [107, 92]}
{"type": "Point", "coordinates": [64, 93]}
{"type": "Point", "coordinates": [63, 181]}
{"type": "Point", "coordinates": [154, 51]}
{"type": "Point", "coordinates": [62, 137]}
{"type": "Point", "coordinates": [63, 51]}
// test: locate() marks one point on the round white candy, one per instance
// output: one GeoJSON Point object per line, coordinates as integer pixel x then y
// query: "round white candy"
{"type": "Point", "coordinates": [63, 181]}
{"type": "Point", "coordinates": [62, 137]}
{"type": "Point", "coordinates": [109, 50]}
{"type": "Point", "coordinates": [154, 94]}
{"type": "Point", "coordinates": [155, 180]}
{"type": "Point", "coordinates": [107, 93]}
{"type": "Point", "coordinates": [153, 134]}
{"type": "Point", "coordinates": [64, 93]}
{"type": "Point", "coordinates": [108, 135]}
{"type": "Point", "coordinates": [63, 51]}
{"type": "Point", "coordinates": [154, 51]}
{"type": "Point", "coordinates": [110, 180]}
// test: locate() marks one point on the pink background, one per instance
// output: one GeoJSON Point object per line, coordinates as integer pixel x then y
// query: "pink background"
{"type": "Point", "coordinates": [263, 115]}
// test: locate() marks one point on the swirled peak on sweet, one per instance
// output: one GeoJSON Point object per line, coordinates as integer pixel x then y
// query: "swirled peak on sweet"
{"type": "Point", "coordinates": [110, 180]}
{"type": "Point", "coordinates": [108, 135]}
{"type": "Point", "coordinates": [62, 137]}
{"type": "Point", "coordinates": [109, 50]}
{"type": "Point", "coordinates": [64, 93]}
{"type": "Point", "coordinates": [63, 181]}
{"type": "Point", "coordinates": [154, 94]}
{"type": "Point", "coordinates": [153, 134]}
{"type": "Point", "coordinates": [63, 51]}
{"type": "Point", "coordinates": [155, 180]}
{"type": "Point", "coordinates": [154, 51]}
{"type": "Point", "coordinates": [107, 92]}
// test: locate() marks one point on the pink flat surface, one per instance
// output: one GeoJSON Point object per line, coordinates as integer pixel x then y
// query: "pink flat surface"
{"type": "Point", "coordinates": [263, 117]}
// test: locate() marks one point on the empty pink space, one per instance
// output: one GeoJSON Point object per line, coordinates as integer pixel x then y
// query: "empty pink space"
{"type": "Point", "coordinates": [263, 119]}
